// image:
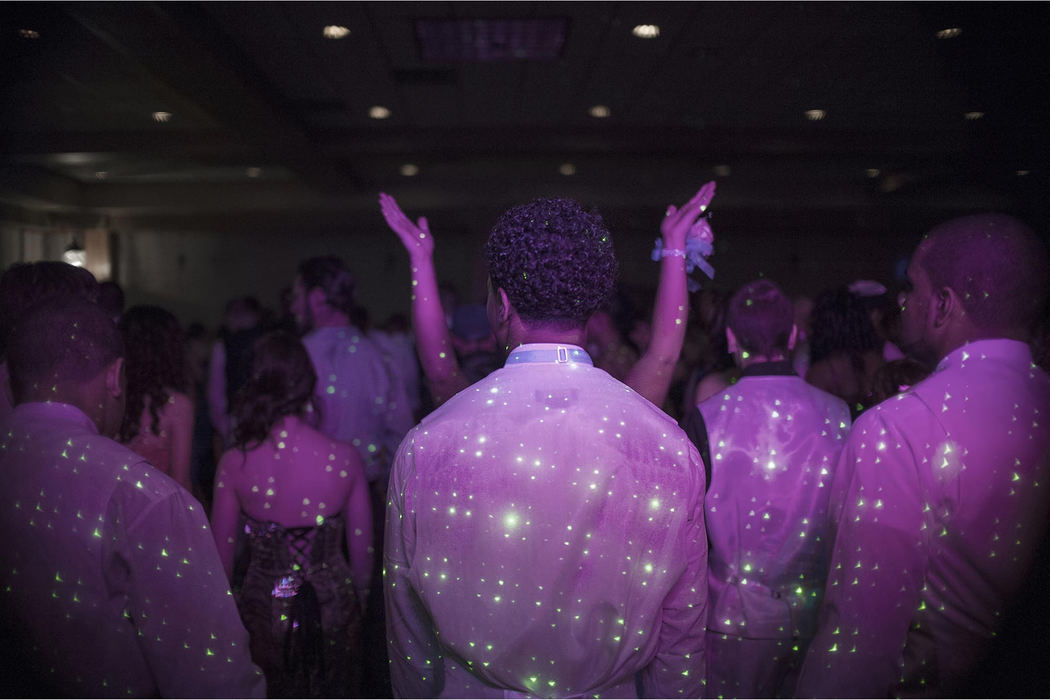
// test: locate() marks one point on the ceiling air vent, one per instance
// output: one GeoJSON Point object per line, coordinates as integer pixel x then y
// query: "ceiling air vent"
{"type": "Point", "coordinates": [475, 40]}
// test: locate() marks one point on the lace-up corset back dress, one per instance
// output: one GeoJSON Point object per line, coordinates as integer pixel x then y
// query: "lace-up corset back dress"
{"type": "Point", "coordinates": [299, 606]}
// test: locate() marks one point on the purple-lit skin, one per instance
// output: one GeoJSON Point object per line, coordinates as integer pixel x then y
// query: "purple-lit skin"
{"type": "Point", "coordinates": [939, 498]}
{"type": "Point", "coordinates": [437, 355]}
{"type": "Point", "coordinates": [651, 375]}
{"type": "Point", "coordinates": [170, 450]}
{"type": "Point", "coordinates": [548, 522]}
{"type": "Point", "coordinates": [116, 563]}
{"type": "Point", "coordinates": [915, 317]}
{"type": "Point", "coordinates": [297, 478]}
{"type": "Point", "coordinates": [774, 441]}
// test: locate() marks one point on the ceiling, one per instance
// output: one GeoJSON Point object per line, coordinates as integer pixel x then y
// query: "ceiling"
{"type": "Point", "coordinates": [270, 123]}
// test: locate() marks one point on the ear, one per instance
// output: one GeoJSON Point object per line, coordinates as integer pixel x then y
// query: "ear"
{"type": "Point", "coordinates": [504, 306]}
{"type": "Point", "coordinates": [946, 306]}
{"type": "Point", "coordinates": [793, 337]}
{"type": "Point", "coordinates": [731, 341]}
{"type": "Point", "coordinates": [115, 378]}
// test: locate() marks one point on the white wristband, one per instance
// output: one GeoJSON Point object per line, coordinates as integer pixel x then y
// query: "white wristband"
{"type": "Point", "coordinates": [676, 252]}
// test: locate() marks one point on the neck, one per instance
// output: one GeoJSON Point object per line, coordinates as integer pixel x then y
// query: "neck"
{"type": "Point", "coordinates": [521, 333]}
{"type": "Point", "coordinates": [330, 318]}
{"type": "Point", "coordinates": [84, 398]}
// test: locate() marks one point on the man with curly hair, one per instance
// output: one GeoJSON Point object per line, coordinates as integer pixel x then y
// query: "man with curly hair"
{"type": "Point", "coordinates": [545, 530]}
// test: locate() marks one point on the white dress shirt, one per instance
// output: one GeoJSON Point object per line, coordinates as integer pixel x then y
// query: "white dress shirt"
{"type": "Point", "coordinates": [774, 441]}
{"type": "Point", "coordinates": [545, 537]}
{"type": "Point", "coordinates": [939, 498]}
{"type": "Point", "coordinates": [361, 401]}
{"type": "Point", "coordinates": [109, 575]}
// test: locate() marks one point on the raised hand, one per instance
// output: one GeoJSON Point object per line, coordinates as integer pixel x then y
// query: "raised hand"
{"type": "Point", "coordinates": [416, 237]}
{"type": "Point", "coordinates": [651, 375]}
{"type": "Point", "coordinates": [433, 341]}
{"type": "Point", "coordinates": [676, 225]}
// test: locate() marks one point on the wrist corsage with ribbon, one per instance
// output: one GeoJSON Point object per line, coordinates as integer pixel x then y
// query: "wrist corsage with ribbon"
{"type": "Point", "coordinates": [699, 245]}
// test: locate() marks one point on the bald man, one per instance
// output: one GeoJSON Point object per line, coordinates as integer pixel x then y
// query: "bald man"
{"type": "Point", "coordinates": [940, 496]}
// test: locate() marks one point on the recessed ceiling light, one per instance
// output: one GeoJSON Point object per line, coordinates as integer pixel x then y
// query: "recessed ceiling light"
{"type": "Point", "coordinates": [599, 111]}
{"type": "Point", "coordinates": [409, 169]}
{"type": "Point", "coordinates": [646, 31]}
{"type": "Point", "coordinates": [161, 116]}
{"type": "Point", "coordinates": [873, 172]}
{"type": "Point", "coordinates": [378, 112]}
{"type": "Point", "coordinates": [29, 33]}
{"type": "Point", "coordinates": [567, 169]}
{"type": "Point", "coordinates": [815, 115]}
{"type": "Point", "coordinates": [1022, 173]}
{"type": "Point", "coordinates": [722, 170]}
{"type": "Point", "coordinates": [949, 33]}
{"type": "Point", "coordinates": [101, 174]}
{"type": "Point", "coordinates": [254, 172]}
{"type": "Point", "coordinates": [335, 31]}
{"type": "Point", "coordinates": [973, 116]}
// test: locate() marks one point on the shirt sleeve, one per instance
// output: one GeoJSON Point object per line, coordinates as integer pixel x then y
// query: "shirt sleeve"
{"type": "Point", "coordinates": [416, 663]}
{"type": "Point", "coordinates": [679, 667]}
{"type": "Point", "coordinates": [878, 561]}
{"type": "Point", "coordinates": [164, 563]}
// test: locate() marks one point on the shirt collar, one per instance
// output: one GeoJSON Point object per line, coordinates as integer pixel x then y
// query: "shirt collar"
{"type": "Point", "coordinates": [1012, 351]}
{"type": "Point", "coordinates": [556, 353]}
{"type": "Point", "coordinates": [55, 412]}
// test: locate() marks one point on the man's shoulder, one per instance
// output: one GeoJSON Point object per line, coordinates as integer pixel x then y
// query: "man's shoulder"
{"type": "Point", "coordinates": [776, 388]}
{"type": "Point", "coordinates": [904, 413]}
{"type": "Point", "coordinates": [585, 383]}
{"type": "Point", "coordinates": [111, 465]}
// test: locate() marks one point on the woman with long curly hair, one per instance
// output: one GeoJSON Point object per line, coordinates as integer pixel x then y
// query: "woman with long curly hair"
{"type": "Point", "coordinates": [304, 503]}
{"type": "Point", "coordinates": [845, 349]}
{"type": "Point", "coordinates": [158, 416]}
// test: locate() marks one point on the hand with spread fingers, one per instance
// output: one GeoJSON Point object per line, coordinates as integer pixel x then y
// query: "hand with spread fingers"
{"type": "Point", "coordinates": [416, 237]}
{"type": "Point", "coordinates": [434, 346]}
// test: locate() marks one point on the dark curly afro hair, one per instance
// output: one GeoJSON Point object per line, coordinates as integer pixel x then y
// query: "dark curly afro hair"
{"type": "Point", "coordinates": [555, 260]}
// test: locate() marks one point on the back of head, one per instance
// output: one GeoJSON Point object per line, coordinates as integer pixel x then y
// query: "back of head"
{"type": "Point", "coordinates": [156, 345]}
{"type": "Point", "coordinates": [282, 383]}
{"type": "Point", "coordinates": [111, 298]}
{"type": "Point", "coordinates": [554, 260]}
{"type": "Point", "coordinates": [25, 284]}
{"type": "Point", "coordinates": [995, 264]}
{"type": "Point", "coordinates": [59, 343]}
{"type": "Point", "coordinates": [155, 363]}
{"type": "Point", "coordinates": [761, 318]}
{"type": "Point", "coordinates": [330, 274]}
{"type": "Point", "coordinates": [241, 313]}
{"type": "Point", "coordinates": [840, 323]}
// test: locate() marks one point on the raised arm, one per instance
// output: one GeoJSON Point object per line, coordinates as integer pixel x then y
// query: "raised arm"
{"type": "Point", "coordinates": [651, 375]}
{"type": "Point", "coordinates": [433, 340]}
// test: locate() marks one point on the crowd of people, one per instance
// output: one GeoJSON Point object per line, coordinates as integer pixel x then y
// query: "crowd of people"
{"type": "Point", "coordinates": [555, 492]}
